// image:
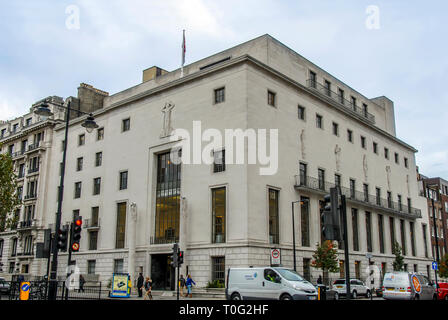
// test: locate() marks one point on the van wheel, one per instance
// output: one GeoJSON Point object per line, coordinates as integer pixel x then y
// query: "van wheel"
{"type": "Point", "coordinates": [368, 294]}
{"type": "Point", "coordinates": [417, 297]}
{"type": "Point", "coordinates": [354, 295]}
{"type": "Point", "coordinates": [235, 296]}
{"type": "Point", "coordinates": [286, 297]}
{"type": "Point", "coordinates": [336, 296]}
{"type": "Point", "coordinates": [446, 297]}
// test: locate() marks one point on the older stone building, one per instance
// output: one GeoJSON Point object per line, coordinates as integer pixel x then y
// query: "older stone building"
{"type": "Point", "coordinates": [319, 132]}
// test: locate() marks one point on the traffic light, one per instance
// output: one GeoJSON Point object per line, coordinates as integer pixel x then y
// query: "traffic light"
{"type": "Point", "coordinates": [76, 234]}
{"type": "Point", "coordinates": [330, 216]}
{"type": "Point", "coordinates": [174, 255]}
{"type": "Point", "coordinates": [62, 238]}
{"type": "Point", "coordinates": [180, 258]}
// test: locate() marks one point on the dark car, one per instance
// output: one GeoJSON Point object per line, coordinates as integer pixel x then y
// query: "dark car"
{"type": "Point", "coordinates": [4, 286]}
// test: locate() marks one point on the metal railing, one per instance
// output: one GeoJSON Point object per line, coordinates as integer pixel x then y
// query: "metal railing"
{"type": "Point", "coordinates": [339, 99]}
{"type": "Point", "coordinates": [320, 186]}
{"type": "Point", "coordinates": [34, 146]}
{"type": "Point", "coordinates": [164, 240]}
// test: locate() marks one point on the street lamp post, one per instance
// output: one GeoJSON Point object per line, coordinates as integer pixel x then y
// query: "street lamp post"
{"type": "Point", "coordinates": [89, 124]}
{"type": "Point", "coordinates": [436, 239]}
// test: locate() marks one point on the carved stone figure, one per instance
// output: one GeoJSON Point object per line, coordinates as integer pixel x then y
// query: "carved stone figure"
{"type": "Point", "coordinates": [365, 166]}
{"type": "Point", "coordinates": [302, 143]}
{"type": "Point", "coordinates": [167, 121]}
{"type": "Point", "coordinates": [337, 153]}
{"type": "Point", "coordinates": [388, 177]}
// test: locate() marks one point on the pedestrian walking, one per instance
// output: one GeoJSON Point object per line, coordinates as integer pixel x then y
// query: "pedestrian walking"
{"type": "Point", "coordinates": [81, 283]}
{"type": "Point", "coordinates": [148, 288]}
{"type": "Point", "coordinates": [182, 285]}
{"type": "Point", "coordinates": [140, 282]}
{"type": "Point", "coordinates": [319, 280]}
{"type": "Point", "coordinates": [189, 283]}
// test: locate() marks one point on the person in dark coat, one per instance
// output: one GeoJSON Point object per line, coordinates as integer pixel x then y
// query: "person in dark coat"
{"type": "Point", "coordinates": [319, 280]}
{"type": "Point", "coordinates": [140, 282]}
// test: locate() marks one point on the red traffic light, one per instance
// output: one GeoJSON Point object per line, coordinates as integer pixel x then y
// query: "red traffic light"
{"type": "Point", "coordinates": [78, 222]}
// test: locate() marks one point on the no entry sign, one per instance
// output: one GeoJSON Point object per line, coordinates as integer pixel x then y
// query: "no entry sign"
{"type": "Point", "coordinates": [275, 257]}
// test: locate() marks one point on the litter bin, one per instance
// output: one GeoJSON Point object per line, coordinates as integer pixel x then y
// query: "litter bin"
{"type": "Point", "coordinates": [322, 292]}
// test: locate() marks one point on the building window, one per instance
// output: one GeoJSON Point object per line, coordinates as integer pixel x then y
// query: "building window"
{"type": "Point", "coordinates": [301, 112]}
{"type": "Point", "coordinates": [366, 192]}
{"type": "Point", "coordinates": [321, 178]}
{"type": "Point", "coordinates": [81, 139]}
{"type": "Point", "coordinates": [126, 124]}
{"type": "Point", "coordinates": [94, 217]}
{"type": "Point", "coordinates": [352, 188]}
{"type": "Point", "coordinates": [93, 240]}
{"type": "Point", "coordinates": [389, 199]}
{"type": "Point", "coordinates": [381, 232]}
{"type": "Point", "coordinates": [400, 205]}
{"type": "Point", "coordinates": [396, 158]}
{"type": "Point", "coordinates": [363, 142]}
{"type": "Point", "coordinates": [355, 229]}
{"type": "Point", "coordinates": [78, 186]}
{"type": "Point", "coordinates": [274, 228]}
{"type": "Point", "coordinates": [79, 164]}
{"type": "Point", "coordinates": [378, 196]}
{"type": "Point", "coordinates": [121, 225]}
{"type": "Point", "coordinates": [349, 135]}
{"type": "Point", "coordinates": [91, 266]}
{"type": "Point", "coordinates": [219, 161]}
{"type": "Point", "coordinates": [313, 79]}
{"type": "Point", "coordinates": [305, 221]}
{"type": "Point", "coordinates": [425, 240]}
{"type": "Point", "coordinates": [271, 98]}
{"type": "Point", "coordinates": [375, 147]}
{"type": "Point", "coordinates": [96, 186]}
{"type": "Point", "coordinates": [342, 269]}
{"type": "Point", "coordinates": [335, 129]}
{"type": "Point", "coordinates": [218, 269]}
{"type": "Point", "coordinates": [358, 269]}
{"type": "Point", "coordinates": [100, 134]}
{"type": "Point", "coordinates": [406, 164]}
{"type": "Point", "coordinates": [412, 234]}
{"type": "Point", "coordinates": [392, 231]}
{"type": "Point", "coordinates": [219, 215]}
{"type": "Point", "coordinates": [327, 85]}
{"type": "Point", "coordinates": [98, 159]}
{"type": "Point", "coordinates": [167, 199]}
{"type": "Point", "coordinates": [1, 247]}
{"type": "Point", "coordinates": [365, 109]}
{"type": "Point", "coordinates": [337, 180]}
{"type": "Point", "coordinates": [403, 237]}
{"type": "Point", "coordinates": [369, 231]}
{"type": "Point", "coordinates": [303, 173]}
{"type": "Point", "coordinates": [341, 96]}
{"type": "Point", "coordinates": [118, 266]}
{"type": "Point", "coordinates": [319, 121]}
{"type": "Point", "coordinates": [219, 95]}
{"type": "Point", "coordinates": [123, 180]}
{"type": "Point", "coordinates": [386, 153]}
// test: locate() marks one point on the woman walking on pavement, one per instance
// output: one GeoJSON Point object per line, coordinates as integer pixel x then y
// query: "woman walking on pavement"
{"type": "Point", "coordinates": [189, 284]}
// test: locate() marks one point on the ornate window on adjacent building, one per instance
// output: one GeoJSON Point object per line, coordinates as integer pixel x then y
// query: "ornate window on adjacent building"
{"type": "Point", "coordinates": [219, 215]}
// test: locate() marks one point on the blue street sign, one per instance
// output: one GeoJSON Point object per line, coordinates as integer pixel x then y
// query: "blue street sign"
{"type": "Point", "coordinates": [25, 287]}
{"type": "Point", "coordinates": [434, 266]}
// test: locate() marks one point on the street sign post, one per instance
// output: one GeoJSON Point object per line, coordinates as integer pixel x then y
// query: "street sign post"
{"type": "Point", "coordinates": [435, 266]}
{"type": "Point", "coordinates": [275, 257]}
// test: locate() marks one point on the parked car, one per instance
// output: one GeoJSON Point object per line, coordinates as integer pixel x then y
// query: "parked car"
{"type": "Point", "coordinates": [401, 285]}
{"type": "Point", "coordinates": [443, 291]}
{"type": "Point", "coordinates": [379, 292]}
{"type": "Point", "coordinates": [327, 293]}
{"type": "Point", "coordinates": [268, 283]}
{"type": "Point", "coordinates": [357, 288]}
{"type": "Point", "coordinates": [4, 286]}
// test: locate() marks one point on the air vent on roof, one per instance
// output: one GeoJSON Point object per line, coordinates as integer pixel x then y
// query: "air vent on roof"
{"type": "Point", "coordinates": [214, 63]}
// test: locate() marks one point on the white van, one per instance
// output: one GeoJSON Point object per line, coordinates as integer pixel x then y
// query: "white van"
{"type": "Point", "coordinates": [268, 283]}
{"type": "Point", "coordinates": [401, 285]}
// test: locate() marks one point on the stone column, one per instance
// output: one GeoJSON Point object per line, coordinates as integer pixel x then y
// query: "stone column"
{"type": "Point", "coordinates": [132, 241]}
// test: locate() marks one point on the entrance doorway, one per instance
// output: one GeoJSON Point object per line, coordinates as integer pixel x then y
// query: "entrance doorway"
{"type": "Point", "coordinates": [162, 273]}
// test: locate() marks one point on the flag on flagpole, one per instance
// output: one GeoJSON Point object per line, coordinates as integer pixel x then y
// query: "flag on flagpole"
{"type": "Point", "coordinates": [184, 49]}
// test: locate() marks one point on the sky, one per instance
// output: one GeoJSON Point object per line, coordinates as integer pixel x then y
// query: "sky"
{"type": "Point", "coordinates": [393, 48]}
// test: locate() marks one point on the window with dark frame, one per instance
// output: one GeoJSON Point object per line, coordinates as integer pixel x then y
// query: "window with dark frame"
{"type": "Point", "coordinates": [219, 161]}
{"type": "Point", "coordinates": [341, 96]}
{"type": "Point", "coordinates": [381, 232]}
{"type": "Point", "coordinates": [327, 85]}
{"type": "Point", "coordinates": [100, 134]}
{"type": "Point", "coordinates": [96, 186]}
{"type": "Point", "coordinates": [126, 124]}
{"type": "Point", "coordinates": [78, 186]}
{"type": "Point", "coordinates": [120, 226]}
{"type": "Point", "coordinates": [369, 231]}
{"type": "Point", "coordinates": [321, 178]}
{"type": "Point", "coordinates": [81, 139]}
{"type": "Point", "coordinates": [363, 142]}
{"type": "Point", "coordinates": [335, 129]}
{"type": "Point", "coordinates": [98, 159]}
{"type": "Point", "coordinates": [352, 188]}
{"type": "Point", "coordinates": [349, 135]}
{"type": "Point", "coordinates": [301, 112]}
{"type": "Point", "coordinates": [79, 162]}
{"type": "Point", "coordinates": [271, 98]}
{"type": "Point", "coordinates": [219, 95]}
{"type": "Point", "coordinates": [305, 221]}
{"type": "Point", "coordinates": [375, 147]}
{"type": "Point", "coordinates": [396, 158]}
{"type": "Point", "coordinates": [219, 215]}
{"type": "Point", "coordinates": [218, 269]}
{"type": "Point", "coordinates": [93, 240]}
{"type": "Point", "coordinates": [123, 180]}
{"type": "Point", "coordinates": [403, 237]}
{"type": "Point", "coordinates": [319, 121]}
{"type": "Point", "coordinates": [386, 153]}
{"type": "Point", "coordinates": [355, 229]}
{"type": "Point", "coordinates": [274, 227]}
{"type": "Point", "coordinates": [313, 79]}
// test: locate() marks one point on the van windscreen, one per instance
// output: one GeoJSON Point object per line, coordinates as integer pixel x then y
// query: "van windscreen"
{"type": "Point", "coordinates": [290, 275]}
{"type": "Point", "coordinates": [396, 278]}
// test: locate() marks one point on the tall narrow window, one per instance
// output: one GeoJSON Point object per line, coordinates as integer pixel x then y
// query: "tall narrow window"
{"type": "Point", "coordinates": [126, 124]}
{"type": "Point", "coordinates": [400, 205]}
{"type": "Point", "coordinates": [81, 139]}
{"type": "Point", "coordinates": [79, 164]}
{"type": "Point", "coordinates": [363, 142]}
{"type": "Point", "coordinates": [93, 240]}
{"type": "Point", "coordinates": [120, 235]}
{"type": "Point", "coordinates": [123, 180]}
{"type": "Point", "coordinates": [98, 159]}
{"type": "Point", "coordinates": [353, 102]}
{"type": "Point", "coordinates": [305, 221]}
{"type": "Point", "coordinates": [349, 135]}
{"type": "Point", "coordinates": [313, 79]}
{"type": "Point", "coordinates": [273, 217]}
{"type": "Point", "coordinates": [303, 174]}
{"type": "Point", "coordinates": [301, 112]}
{"type": "Point", "coordinates": [375, 147]}
{"type": "Point", "coordinates": [327, 88]}
{"type": "Point", "coordinates": [341, 96]}
{"type": "Point", "coordinates": [306, 268]}
{"type": "Point", "coordinates": [100, 134]}
{"type": "Point", "coordinates": [118, 266]}
{"type": "Point", "coordinates": [355, 229]}
{"type": "Point", "coordinates": [425, 240]}
{"type": "Point", "coordinates": [386, 153]}
{"type": "Point", "coordinates": [381, 232]}
{"type": "Point", "coordinates": [378, 196]}
{"type": "Point", "coordinates": [96, 186]}
{"type": "Point", "coordinates": [272, 98]}
{"type": "Point", "coordinates": [403, 237]}
{"type": "Point", "coordinates": [337, 180]}
{"type": "Point", "coordinates": [319, 121]}
{"type": "Point", "coordinates": [392, 231]}
{"type": "Point", "coordinates": [389, 199]}
{"type": "Point", "coordinates": [321, 178]}
{"type": "Point", "coordinates": [219, 161]}
{"type": "Point", "coordinates": [365, 109]}
{"type": "Point", "coordinates": [352, 188]}
{"type": "Point", "coordinates": [94, 217]}
{"type": "Point", "coordinates": [167, 200]}
{"type": "Point", "coordinates": [412, 234]}
{"type": "Point", "coordinates": [219, 215]}
{"type": "Point", "coordinates": [369, 231]}
{"type": "Point", "coordinates": [218, 269]}
{"type": "Point", "coordinates": [366, 192]}
{"type": "Point", "coordinates": [78, 190]}
{"type": "Point", "coordinates": [335, 129]}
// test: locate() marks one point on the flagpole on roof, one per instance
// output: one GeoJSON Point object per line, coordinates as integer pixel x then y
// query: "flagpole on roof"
{"type": "Point", "coordinates": [183, 55]}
